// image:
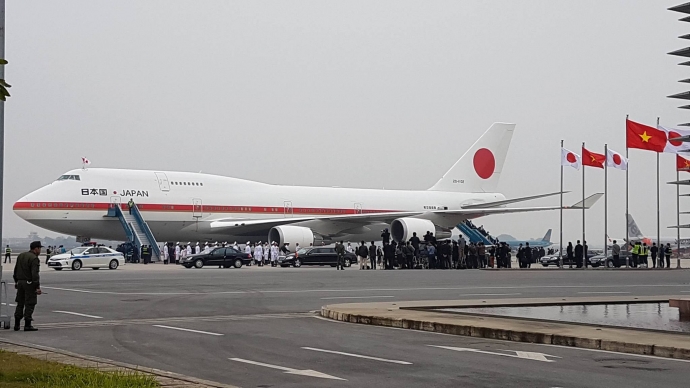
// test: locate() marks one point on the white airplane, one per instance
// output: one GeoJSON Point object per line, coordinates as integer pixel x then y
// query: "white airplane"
{"type": "Point", "coordinates": [185, 206]}
{"type": "Point", "coordinates": [636, 235]}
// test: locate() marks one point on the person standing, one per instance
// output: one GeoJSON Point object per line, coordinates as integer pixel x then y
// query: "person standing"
{"type": "Point", "coordinates": [259, 254]}
{"type": "Point", "coordinates": [654, 250]}
{"type": "Point", "coordinates": [130, 205]}
{"type": "Point", "coordinates": [362, 253]}
{"type": "Point", "coordinates": [166, 253]}
{"type": "Point", "coordinates": [372, 255]}
{"type": "Point", "coordinates": [48, 252]}
{"type": "Point", "coordinates": [28, 286]}
{"type": "Point", "coordinates": [667, 254]}
{"type": "Point", "coordinates": [431, 252]}
{"type": "Point", "coordinates": [409, 256]}
{"type": "Point", "coordinates": [340, 252]}
{"type": "Point", "coordinates": [644, 255]}
{"type": "Point", "coordinates": [527, 256]}
{"type": "Point", "coordinates": [578, 254]}
{"type": "Point", "coordinates": [414, 240]}
{"type": "Point", "coordinates": [385, 236]}
{"type": "Point", "coordinates": [8, 254]}
{"type": "Point", "coordinates": [388, 255]}
{"type": "Point", "coordinates": [616, 252]}
{"type": "Point", "coordinates": [662, 253]}
{"type": "Point", "coordinates": [189, 249]}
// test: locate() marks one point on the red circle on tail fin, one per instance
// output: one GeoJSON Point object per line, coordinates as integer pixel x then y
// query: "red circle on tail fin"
{"type": "Point", "coordinates": [484, 163]}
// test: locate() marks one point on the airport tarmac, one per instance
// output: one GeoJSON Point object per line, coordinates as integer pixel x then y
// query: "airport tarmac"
{"type": "Point", "coordinates": [255, 327]}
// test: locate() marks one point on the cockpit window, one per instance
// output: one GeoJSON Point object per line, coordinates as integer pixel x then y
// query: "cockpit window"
{"type": "Point", "coordinates": [69, 177]}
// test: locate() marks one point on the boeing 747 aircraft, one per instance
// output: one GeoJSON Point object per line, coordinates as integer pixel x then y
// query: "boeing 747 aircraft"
{"type": "Point", "coordinates": [185, 206]}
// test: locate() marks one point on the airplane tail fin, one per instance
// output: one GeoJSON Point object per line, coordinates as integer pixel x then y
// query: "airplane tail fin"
{"type": "Point", "coordinates": [479, 169]}
{"type": "Point", "coordinates": [633, 230]}
{"type": "Point", "coordinates": [547, 236]}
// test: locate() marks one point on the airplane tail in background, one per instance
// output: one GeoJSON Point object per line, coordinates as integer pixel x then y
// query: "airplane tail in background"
{"type": "Point", "coordinates": [547, 236]}
{"type": "Point", "coordinates": [479, 169]}
{"type": "Point", "coordinates": [633, 230]}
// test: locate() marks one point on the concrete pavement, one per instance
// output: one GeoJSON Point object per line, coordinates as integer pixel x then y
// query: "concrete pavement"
{"type": "Point", "coordinates": [256, 327]}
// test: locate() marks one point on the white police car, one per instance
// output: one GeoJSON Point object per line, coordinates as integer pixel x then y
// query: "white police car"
{"type": "Point", "coordinates": [87, 257]}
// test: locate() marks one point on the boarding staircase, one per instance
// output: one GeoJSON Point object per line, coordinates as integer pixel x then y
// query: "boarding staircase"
{"type": "Point", "coordinates": [137, 230]}
{"type": "Point", "coordinates": [473, 234]}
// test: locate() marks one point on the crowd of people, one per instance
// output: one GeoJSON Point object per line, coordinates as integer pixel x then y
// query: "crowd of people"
{"type": "Point", "coordinates": [261, 253]}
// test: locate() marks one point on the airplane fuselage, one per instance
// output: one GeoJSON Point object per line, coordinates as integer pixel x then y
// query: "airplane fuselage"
{"type": "Point", "coordinates": [178, 205]}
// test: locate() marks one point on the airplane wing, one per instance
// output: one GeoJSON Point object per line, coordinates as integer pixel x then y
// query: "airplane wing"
{"type": "Point", "coordinates": [485, 205]}
{"type": "Point", "coordinates": [329, 225]}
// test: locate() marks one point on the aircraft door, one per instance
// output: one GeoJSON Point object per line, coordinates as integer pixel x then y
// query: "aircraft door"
{"type": "Point", "coordinates": [115, 201]}
{"type": "Point", "coordinates": [163, 182]}
{"type": "Point", "coordinates": [197, 210]}
{"type": "Point", "coordinates": [358, 208]}
{"type": "Point", "coordinates": [287, 208]}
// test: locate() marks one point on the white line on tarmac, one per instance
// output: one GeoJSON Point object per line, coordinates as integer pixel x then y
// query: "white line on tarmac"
{"type": "Point", "coordinates": [79, 314]}
{"type": "Point", "coordinates": [564, 347]}
{"type": "Point", "coordinates": [11, 305]}
{"type": "Point", "coordinates": [358, 356]}
{"type": "Point", "coordinates": [517, 293]}
{"type": "Point", "coordinates": [361, 289]}
{"type": "Point", "coordinates": [357, 297]}
{"type": "Point", "coordinates": [189, 330]}
{"type": "Point", "coordinates": [603, 292]}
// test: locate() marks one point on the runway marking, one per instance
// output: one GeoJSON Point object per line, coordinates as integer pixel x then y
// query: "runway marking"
{"type": "Point", "coordinates": [517, 293]}
{"type": "Point", "coordinates": [189, 330]}
{"type": "Point", "coordinates": [534, 356]}
{"type": "Point", "coordinates": [79, 314]}
{"type": "Point", "coordinates": [358, 356]}
{"type": "Point", "coordinates": [291, 371]}
{"type": "Point", "coordinates": [564, 347]}
{"type": "Point", "coordinates": [356, 297]}
{"type": "Point", "coordinates": [10, 305]}
{"type": "Point", "coordinates": [154, 321]}
{"type": "Point", "coordinates": [360, 289]}
{"type": "Point", "coordinates": [603, 292]}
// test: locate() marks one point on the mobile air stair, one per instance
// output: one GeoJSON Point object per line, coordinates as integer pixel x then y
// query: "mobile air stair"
{"type": "Point", "coordinates": [473, 234]}
{"type": "Point", "coordinates": [136, 229]}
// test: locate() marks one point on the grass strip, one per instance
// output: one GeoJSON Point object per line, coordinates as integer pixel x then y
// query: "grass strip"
{"type": "Point", "coordinates": [18, 371]}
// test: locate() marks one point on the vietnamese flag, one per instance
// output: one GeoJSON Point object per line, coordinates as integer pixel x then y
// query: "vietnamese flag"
{"type": "Point", "coordinates": [644, 137]}
{"type": "Point", "coordinates": [682, 164]}
{"type": "Point", "coordinates": [592, 159]}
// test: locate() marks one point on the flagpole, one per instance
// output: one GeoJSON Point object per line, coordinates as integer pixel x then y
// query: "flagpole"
{"type": "Point", "coordinates": [658, 206]}
{"type": "Point", "coordinates": [606, 201]}
{"type": "Point", "coordinates": [677, 219]}
{"type": "Point", "coordinates": [560, 249]}
{"type": "Point", "coordinates": [584, 244]}
{"type": "Point", "coordinates": [627, 212]}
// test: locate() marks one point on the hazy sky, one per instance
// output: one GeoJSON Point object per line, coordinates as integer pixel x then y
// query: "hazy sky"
{"type": "Point", "coordinates": [345, 93]}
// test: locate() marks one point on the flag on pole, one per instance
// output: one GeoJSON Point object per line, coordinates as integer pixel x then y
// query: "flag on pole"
{"type": "Point", "coordinates": [616, 160]}
{"type": "Point", "coordinates": [569, 158]}
{"type": "Point", "coordinates": [85, 161]}
{"type": "Point", "coordinates": [674, 146]}
{"type": "Point", "coordinates": [644, 137]}
{"type": "Point", "coordinates": [682, 164]}
{"type": "Point", "coordinates": [592, 159]}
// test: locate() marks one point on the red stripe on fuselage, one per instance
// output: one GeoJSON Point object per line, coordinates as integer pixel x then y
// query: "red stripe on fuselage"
{"type": "Point", "coordinates": [103, 206]}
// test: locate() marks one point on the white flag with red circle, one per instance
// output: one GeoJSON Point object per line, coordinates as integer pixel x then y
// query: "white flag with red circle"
{"type": "Point", "coordinates": [569, 158]}
{"type": "Point", "coordinates": [85, 161]}
{"type": "Point", "coordinates": [675, 146]}
{"type": "Point", "coordinates": [616, 160]}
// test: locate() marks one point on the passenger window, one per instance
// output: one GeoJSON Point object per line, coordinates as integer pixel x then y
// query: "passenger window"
{"type": "Point", "coordinates": [92, 251]}
{"type": "Point", "coordinates": [103, 250]}
{"type": "Point", "coordinates": [219, 252]}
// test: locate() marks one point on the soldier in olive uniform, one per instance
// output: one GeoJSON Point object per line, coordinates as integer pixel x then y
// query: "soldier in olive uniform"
{"type": "Point", "coordinates": [26, 281]}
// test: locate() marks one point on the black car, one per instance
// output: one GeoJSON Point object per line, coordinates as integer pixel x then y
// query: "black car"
{"type": "Point", "coordinates": [316, 256]}
{"type": "Point", "coordinates": [599, 260]}
{"type": "Point", "coordinates": [553, 259]}
{"type": "Point", "coordinates": [225, 257]}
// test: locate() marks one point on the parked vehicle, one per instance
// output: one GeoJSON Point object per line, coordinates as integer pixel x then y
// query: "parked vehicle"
{"type": "Point", "coordinates": [315, 256]}
{"type": "Point", "coordinates": [224, 257]}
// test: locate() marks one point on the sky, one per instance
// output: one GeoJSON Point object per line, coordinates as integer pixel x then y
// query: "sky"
{"type": "Point", "coordinates": [373, 94]}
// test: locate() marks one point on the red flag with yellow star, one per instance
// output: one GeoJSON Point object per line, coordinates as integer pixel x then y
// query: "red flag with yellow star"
{"type": "Point", "coordinates": [682, 164]}
{"type": "Point", "coordinates": [592, 159]}
{"type": "Point", "coordinates": [644, 137]}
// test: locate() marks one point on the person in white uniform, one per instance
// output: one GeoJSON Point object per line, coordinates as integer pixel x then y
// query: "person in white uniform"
{"type": "Point", "coordinates": [259, 254]}
{"type": "Point", "coordinates": [177, 253]}
{"type": "Point", "coordinates": [197, 248]}
{"type": "Point", "coordinates": [234, 245]}
{"type": "Point", "coordinates": [189, 249]}
{"type": "Point", "coordinates": [166, 254]}
{"type": "Point", "coordinates": [248, 249]}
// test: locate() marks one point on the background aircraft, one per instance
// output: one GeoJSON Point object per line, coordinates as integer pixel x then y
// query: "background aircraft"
{"type": "Point", "coordinates": [536, 243]}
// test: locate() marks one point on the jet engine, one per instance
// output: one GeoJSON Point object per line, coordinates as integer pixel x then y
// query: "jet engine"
{"type": "Point", "coordinates": [291, 234]}
{"type": "Point", "coordinates": [402, 229]}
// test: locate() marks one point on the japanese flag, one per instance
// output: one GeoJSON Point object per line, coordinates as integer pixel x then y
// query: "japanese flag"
{"type": "Point", "coordinates": [569, 158]}
{"type": "Point", "coordinates": [616, 160]}
{"type": "Point", "coordinates": [674, 146]}
{"type": "Point", "coordinates": [85, 161]}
